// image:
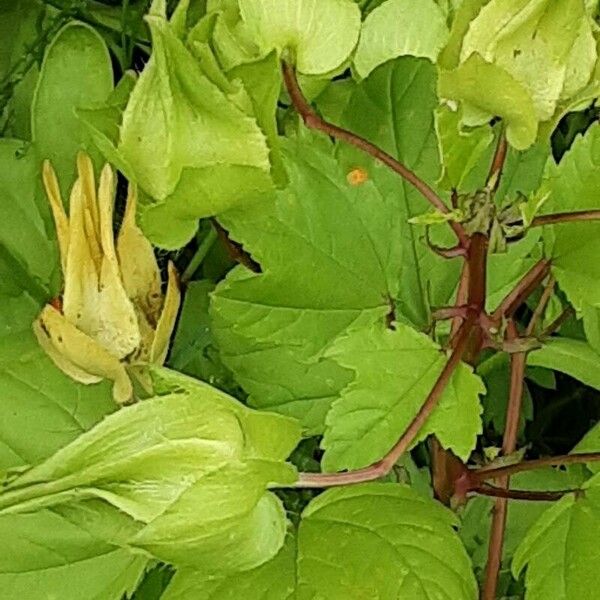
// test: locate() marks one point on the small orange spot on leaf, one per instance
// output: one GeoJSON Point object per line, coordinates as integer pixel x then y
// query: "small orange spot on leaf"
{"type": "Point", "coordinates": [357, 176]}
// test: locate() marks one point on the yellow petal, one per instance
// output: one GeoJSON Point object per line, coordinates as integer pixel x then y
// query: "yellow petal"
{"type": "Point", "coordinates": [85, 168]}
{"type": "Point", "coordinates": [61, 220]}
{"type": "Point", "coordinates": [83, 352]}
{"type": "Point", "coordinates": [92, 240]}
{"type": "Point", "coordinates": [142, 353]}
{"type": "Point", "coordinates": [106, 199]}
{"type": "Point", "coordinates": [166, 323]}
{"type": "Point", "coordinates": [139, 269]}
{"type": "Point", "coordinates": [61, 361]}
{"type": "Point", "coordinates": [119, 332]}
{"type": "Point", "coordinates": [81, 297]}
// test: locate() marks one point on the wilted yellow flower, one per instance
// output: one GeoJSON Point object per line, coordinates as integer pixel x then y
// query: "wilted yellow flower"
{"type": "Point", "coordinates": [114, 316]}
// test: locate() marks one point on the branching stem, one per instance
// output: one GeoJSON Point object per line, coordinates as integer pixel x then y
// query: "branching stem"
{"type": "Point", "coordinates": [487, 473]}
{"type": "Point", "coordinates": [541, 307]}
{"type": "Point", "coordinates": [505, 494]}
{"type": "Point", "coordinates": [384, 466]}
{"type": "Point", "coordinates": [314, 121]}
{"type": "Point", "coordinates": [555, 325]}
{"type": "Point", "coordinates": [522, 290]}
{"type": "Point", "coordinates": [509, 445]}
{"type": "Point", "coordinates": [566, 217]}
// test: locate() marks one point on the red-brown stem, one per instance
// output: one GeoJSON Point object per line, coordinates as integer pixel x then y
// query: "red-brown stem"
{"type": "Point", "coordinates": [465, 341]}
{"type": "Point", "coordinates": [314, 121]}
{"type": "Point", "coordinates": [490, 472]}
{"type": "Point", "coordinates": [564, 315]}
{"type": "Point", "coordinates": [566, 217]}
{"type": "Point", "coordinates": [462, 296]}
{"type": "Point", "coordinates": [384, 466]}
{"type": "Point", "coordinates": [235, 250]}
{"type": "Point", "coordinates": [450, 312]}
{"type": "Point", "coordinates": [541, 306]}
{"type": "Point", "coordinates": [497, 165]}
{"type": "Point", "coordinates": [509, 445]}
{"type": "Point", "coordinates": [477, 265]}
{"type": "Point", "coordinates": [522, 290]}
{"type": "Point", "coordinates": [508, 494]}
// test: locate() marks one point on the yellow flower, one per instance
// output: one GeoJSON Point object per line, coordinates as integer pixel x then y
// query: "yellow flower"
{"type": "Point", "coordinates": [114, 317]}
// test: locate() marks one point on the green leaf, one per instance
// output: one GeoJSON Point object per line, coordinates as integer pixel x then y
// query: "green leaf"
{"type": "Point", "coordinates": [591, 325]}
{"type": "Point", "coordinates": [318, 35]}
{"type": "Point", "coordinates": [155, 582]}
{"type": "Point", "coordinates": [590, 443]}
{"type": "Point", "coordinates": [320, 275]}
{"type": "Point", "coordinates": [522, 514]}
{"type": "Point", "coordinates": [559, 551]}
{"type": "Point", "coordinates": [262, 81]}
{"type": "Point", "coordinates": [165, 462]}
{"type": "Point", "coordinates": [505, 269]}
{"type": "Point", "coordinates": [43, 410]}
{"type": "Point", "coordinates": [460, 150]}
{"type": "Point", "coordinates": [194, 350]}
{"type": "Point", "coordinates": [22, 26]}
{"type": "Point", "coordinates": [187, 144]}
{"type": "Point", "coordinates": [394, 108]}
{"type": "Point", "coordinates": [54, 553]}
{"type": "Point", "coordinates": [273, 580]}
{"type": "Point", "coordinates": [76, 73]}
{"type": "Point", "coordinates": [495, 372]}
{"type": "Point", "coordinates": [466, 11]}
{"type": "Point", "coordinates": [399, 28]}
{"type": "Point", "coordinates": [573, 247]}
{"type": "Point", "coordinates": [102, 122]}
{"type": "Point", "coordinates": [573, 357]}
{"type": "Point", "coordinates": [28, 254]}
{"type": "Point", "coordinates": [487, 90]}
{"type": "Point", "coordinates": [394, 372]}
{"type": "Point", "coordinates": [369, 541]}
{"type": "Point", "coordinates": [381, 541]}
{"type": "Point", "coordinates": [40, 400]}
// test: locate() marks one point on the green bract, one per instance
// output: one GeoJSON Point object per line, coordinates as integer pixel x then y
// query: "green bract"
{"type": "Point", "coordinates": [535, 55]}
{"type": "Point", "coordinates": [165, 463]}
{"type": "Point", "coordinates": [318, 35]}
{"type": "Point", "coordinates": [398, 28]}
{"type": "Point", "coordinates": [181, 137]}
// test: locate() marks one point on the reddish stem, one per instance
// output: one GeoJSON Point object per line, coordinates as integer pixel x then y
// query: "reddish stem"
{"type": "Point", "coordinates": [487, 473]}
{"type": "Point", "coordinates": [462, 296]}
{"type": "Point", "coordinates": [509, 445]}
{"type": "Point", "coordinates": [235, 250]}
{"type": "Point", "coordinates": [505, 494]}
{"type": "Point", "coordinates": [495, 174]}
{"type": "Point", "coordinates": [466, 341]}
{"type": "Point", "coordinates": [384, 466]}
{"type": "Point", "coordinates": [566, 217]}
{"type": "Point", "coordinates": [555, 325]}
{"type": "Point", "coordinates": [541, 307]}
{"type": "Point", "coordinates": [522, 290]}
{"type": "Point", "coordinates": [314, 121]}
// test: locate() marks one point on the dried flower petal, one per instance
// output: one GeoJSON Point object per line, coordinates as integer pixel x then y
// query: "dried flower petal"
{"type": "Point", "coordinates": [84, 353]}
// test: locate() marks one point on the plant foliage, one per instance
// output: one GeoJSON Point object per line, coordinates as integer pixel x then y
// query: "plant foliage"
{"type": "Point", "coordinates": [383, 378]}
